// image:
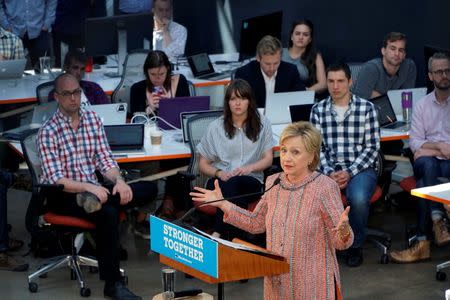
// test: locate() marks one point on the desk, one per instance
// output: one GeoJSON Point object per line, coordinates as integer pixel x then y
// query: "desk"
{"type": "Point", "coordinates": [438, 193]}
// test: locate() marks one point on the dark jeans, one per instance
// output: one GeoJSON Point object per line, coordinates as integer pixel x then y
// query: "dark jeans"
{"type": "Point", "coordinates": [5, 181]}
{"type": "Point", "coordinates": [358, 192]}
{"type": "Point", "coordinates": [73, 41]}
{"type": "Point", "coordinates": [37, 47]}
{"type": "Point", "coordinates": [427, 169]}
{"type": "Point", "coordinates": [235, 186]}
{"type": "Point", "coordinates": [106, 221]}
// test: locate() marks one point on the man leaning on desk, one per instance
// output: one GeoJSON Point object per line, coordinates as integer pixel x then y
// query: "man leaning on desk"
{"type": "Point", "coordinates": [429, 139]}
{"type": "Point", "coordinates": [11, 46]}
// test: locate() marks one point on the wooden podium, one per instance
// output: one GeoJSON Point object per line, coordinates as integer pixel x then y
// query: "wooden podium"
{"type": "Point", "coordinates": [235, 264]}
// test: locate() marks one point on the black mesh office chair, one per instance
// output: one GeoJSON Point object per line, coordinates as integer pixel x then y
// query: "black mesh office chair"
{"type": "Point", "coordinates": [43, 90]}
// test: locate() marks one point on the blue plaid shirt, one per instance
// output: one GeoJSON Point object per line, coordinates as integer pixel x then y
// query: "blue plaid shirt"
{"type": "Point", "coordinates": [351, 145]}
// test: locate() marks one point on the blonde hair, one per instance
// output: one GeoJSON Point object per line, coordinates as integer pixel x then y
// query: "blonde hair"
{"type": "Point", "coordinates": [268, 45]}
{"type": "Point", "coordinates": [311, 139]}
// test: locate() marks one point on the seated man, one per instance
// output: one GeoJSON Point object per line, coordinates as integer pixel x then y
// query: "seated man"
{"type": "Point", "coordinates": [91, 93]}
{"type": "Point", "coordinates": [429, 139]}
{"type": "Point", "coordinates": [391, 72]}
{"type": "Point", "coordinates": [268, 74]}
{"type": "Point", "coordinates": [72, 145]}
{"type": "Point", "coordinates": [11, 46]}
{"type": "Point", "coordinates": [168, 36]}
{"type": "Point", "coordinates": [350, 145]}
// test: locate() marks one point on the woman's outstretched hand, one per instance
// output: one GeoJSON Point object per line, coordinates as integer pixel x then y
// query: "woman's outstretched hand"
{"type": "Point", "coordinates": [205, 195]}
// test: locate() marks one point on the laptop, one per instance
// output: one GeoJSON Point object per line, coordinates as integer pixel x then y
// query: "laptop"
{"type": "Point", "coordinates": [300, 112]}
{"type": "Point", "coordinates": [41, 113]}
{"type": "Point", "coordinates": [111, 114]}
{"type": "Point", "coordinates": [185, 116]}
{"type": "Point", "coordinates": [202, 68]}
{"type": "Point", "coordinates": [386, 114]}
{"type": "Point", "coordinates": [12, 69]}
{"type": "Point", "coordinates": [171, 108]}
{"type": "Point", "coordinates": [277, 105]}
{"type": "Point", "coordinates": [125, 139]}
{"type": "Point", "coordinates": [396, 97]}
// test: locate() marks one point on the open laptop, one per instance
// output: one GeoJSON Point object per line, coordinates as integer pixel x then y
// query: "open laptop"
{"type": "Point", "coordinates": [184, 117]}
{"type": "Point", "coordinates": [386, 114]}
{"type": "Point", "coordinates": [125, 139]}
{"type": "Point", "coordinates": [300, 112]}
{"type": "Point", "coordinates": [277, 105]}
{"type": "Point", "coordinates": [396, 97]}
{"type": "Point", "coordinates": [202, 68]}
{"type": "Point", "coordinates": [171, 108]}
{"type": "Point", "coordinates": [111, 114]}
{"type": "Point", "coordinates": [11, 69]}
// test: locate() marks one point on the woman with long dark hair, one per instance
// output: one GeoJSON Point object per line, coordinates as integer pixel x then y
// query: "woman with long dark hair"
{"type": "Point", "coordinates": [237, 148]}
{"type": "Point", "coordinates": [302, 53]}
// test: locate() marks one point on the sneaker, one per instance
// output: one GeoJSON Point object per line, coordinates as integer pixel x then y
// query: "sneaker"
{"type": "Point", "coordinates": [9, 263]}
{"type": "Point", "coordinates": [441, 234]}
{"type": "Point", "coordinates": [419, 251]}
{"type": "Point", "coordinates": [354, 257]}
{"type": "Point", "coordinates": [142, 229]}
{"type": "Point", "coordinates": [89, 202]}
{"type": "Point", "coordinates": [119, 291]}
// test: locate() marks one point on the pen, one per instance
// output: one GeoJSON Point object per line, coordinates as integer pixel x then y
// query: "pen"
{"type": "Point", "coordinates": [389, 118]}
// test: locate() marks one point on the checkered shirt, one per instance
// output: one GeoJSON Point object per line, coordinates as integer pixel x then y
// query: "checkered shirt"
{"type": "Point", "coordinates": [351, 145]}
{"type": "Point", "coordinates": [11, 46]}
{"type": "Point", "coordinates": [73, 154]}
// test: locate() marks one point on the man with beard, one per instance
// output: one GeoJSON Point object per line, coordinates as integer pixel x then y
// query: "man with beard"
{"type": "Point", "coordinates": [429, 139]}
{"type": "Point", "coordinates": [391, 72]}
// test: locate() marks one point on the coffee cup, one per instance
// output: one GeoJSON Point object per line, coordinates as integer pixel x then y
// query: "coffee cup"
{"type": "Point", "coordinates": [156, 137]}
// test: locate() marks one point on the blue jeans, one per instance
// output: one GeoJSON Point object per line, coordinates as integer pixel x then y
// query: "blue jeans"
{"type": "Point", "coordinates": [358, 192]}
{"type": "Point", "coordinates": [427, 169]}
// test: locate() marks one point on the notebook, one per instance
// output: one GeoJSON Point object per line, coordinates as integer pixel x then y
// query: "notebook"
{"type": "Point", "coordinates": [125, 139]}
{"type": "Point", "coordinates": [202, 68]}
{"type": "Point", "coordinates": [300, 112]}
{"type": "Point", "coordinates": [386, 114]}
{"type": "Point", "coordinates": [111, 114]}
{"type": "Point", "coordinates": [11, 69]}
{"type": "Point", "coordinates": [277, 105]}
{"type": "Point", "coordinates": [171, 108]}
{"type": "Point", "coordinates": [184, 117]}
{"type": "Point", "coordinates": [395, 96]}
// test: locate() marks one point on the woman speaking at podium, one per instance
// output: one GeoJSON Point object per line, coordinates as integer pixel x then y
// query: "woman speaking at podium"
{"type": "Point", "coordinates": [303, 218]}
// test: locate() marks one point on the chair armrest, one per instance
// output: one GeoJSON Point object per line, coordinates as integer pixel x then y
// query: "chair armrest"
{"type": "Point", "coordinates": [45, 187]}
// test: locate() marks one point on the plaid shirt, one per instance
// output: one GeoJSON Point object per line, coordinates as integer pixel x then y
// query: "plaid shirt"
{"type": "Point", "coordinates": [11, 46]}
{"type": "Point", "coordinates": [351, 145]}
{"type": "Point", "coordinates": [73, 154]}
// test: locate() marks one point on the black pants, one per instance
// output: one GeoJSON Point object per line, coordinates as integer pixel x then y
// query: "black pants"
{"type": "Point", "coordinates": [5, 182]}
{"type": "Point", "coordinates": [235, 186]}
{"type": "Point", "coordinates": [106, 221]}
{"type": "Point", "coordinates": [37, 47]}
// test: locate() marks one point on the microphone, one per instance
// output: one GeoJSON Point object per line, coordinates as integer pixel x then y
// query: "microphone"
{"type": "Point", "coordinates": [190, 211]}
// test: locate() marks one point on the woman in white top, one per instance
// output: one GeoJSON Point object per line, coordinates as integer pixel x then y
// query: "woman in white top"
{"type": "Point", "coordinates": [303, 54]}
{"type": "Point", "coordinates": [237, 148]}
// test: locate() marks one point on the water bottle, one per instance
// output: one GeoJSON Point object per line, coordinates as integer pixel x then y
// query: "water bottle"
{"type": "Point", "coordinates": [407, 106]}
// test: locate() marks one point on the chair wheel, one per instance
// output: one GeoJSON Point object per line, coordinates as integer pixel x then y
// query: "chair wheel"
{"type": "Point", "coordinates": [441, 276]}
{"type": "Point", "coordinates": [85, 292]}
{"type": "Point", "coordinates": [32, 287]}
{"type": "Point", "coordinates": [384, 259]}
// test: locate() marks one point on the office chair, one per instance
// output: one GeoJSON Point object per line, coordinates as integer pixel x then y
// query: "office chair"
{"type": "Point", "coordinates": [132, 73]}
{"type": "Point", "coordinates": [355, 67]}
{"type": "Point", "coordinates": [43, 90]}
{"type": "Point", "coordinates": [380, 239]}
{"type": "Point", "coordinates": [63, 225]}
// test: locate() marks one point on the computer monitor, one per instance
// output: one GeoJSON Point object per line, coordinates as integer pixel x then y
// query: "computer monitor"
{"type": "Point", "coordinates": [428, 52]}
{"type": "Point", "coordinates": [118, 35]}
{"type": "Point", "coordinates": [254, 29]}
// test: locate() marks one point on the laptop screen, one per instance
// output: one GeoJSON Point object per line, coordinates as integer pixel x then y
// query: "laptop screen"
{"type": "Point", "coordinates": [277, 105]}
{"type": "Point", "coordinates": [300, 112]}
{"type": "Point", "coordinates": [171, 108]}
{"type": "Point", "coordinates": [10, 69]}
{"type": "Point", "coordinates": [125, 137]}
{"type": "Point", "coordinates": [111, 114]}
{"type": "Point", "coordinates": [386, 114]}
{"type": "Point", "coordinates": [200, 64]}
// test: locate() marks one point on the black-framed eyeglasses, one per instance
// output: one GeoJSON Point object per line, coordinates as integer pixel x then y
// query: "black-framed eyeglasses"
{"type": "Point", "coordinates": [442, 72]}
{"type": "Point", "coordinates": [67, 94]}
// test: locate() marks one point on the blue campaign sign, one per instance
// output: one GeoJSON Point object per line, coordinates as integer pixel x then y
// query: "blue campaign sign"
{"type": "Point", "coordinates": [184, 246]}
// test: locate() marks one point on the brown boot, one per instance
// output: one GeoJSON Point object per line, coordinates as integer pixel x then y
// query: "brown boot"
{"type": "Point", "coordinates": [9, 263]}
{"type": "Point", "coordinates": [441, 234]}
{"type": "Point", "coordinates": [419, 251]}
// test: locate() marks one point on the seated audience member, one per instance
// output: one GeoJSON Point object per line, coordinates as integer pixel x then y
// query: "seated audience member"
{"type": "Point", "coordinates": [135, 6]}
{"type": "Point", "coordinates": [268, 74]}
{"type": "Point", "coordinates": [11, 46]}
{"type": "Point", "coordinates": [237, 148]}
{"type": "Point", "coordinates": [302, 53]}
{"type": "Point", "coordinates": [73, 137]}
{"type": "Point", "coordinates": [168, 36]}
{"type": "Point", "coordinates": [7, 244]}
{"type": "Point", "coordinates": [349, 159]}
{"type": "Point", "coordinates": [31, 21]}
{"type": "Point", "coordinates": [391, 72]}
{"type": "Point", "coordinates": [159, 83]}
{"type": "Point", "coordinates": [91, 93]}
{"type": "Point", "coordinates": [429, 139]}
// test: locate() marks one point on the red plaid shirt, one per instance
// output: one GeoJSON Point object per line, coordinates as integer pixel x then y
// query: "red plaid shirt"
{"type": "Point", "coordinates": [73, 154]}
